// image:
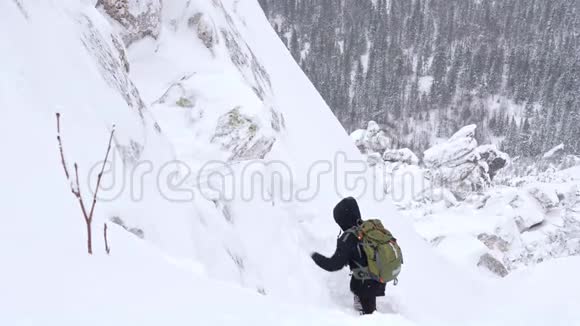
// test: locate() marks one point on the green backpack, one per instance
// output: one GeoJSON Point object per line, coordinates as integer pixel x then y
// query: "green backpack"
{"type": "Point", "coordinates": [384, 255]}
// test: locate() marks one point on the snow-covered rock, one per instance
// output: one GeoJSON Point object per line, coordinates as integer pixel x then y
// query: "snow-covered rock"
{"type": "Point", "coordinates": [549, 229]}
{"type": "Point", "coordinates": [205, 29]}
{"type": "Point", "coordinates": [456, 165]}
{"type": "Point", "coordinates": [494, 242]}
{"type": "Point", "coordinates": [461, 166]}
{"type": "Point", "coordinates": [376, 139]}
{"type": "Point", "coordinates": [524, 224]}
{"type": "Point", "coordinates": [494, 158]}
{"type": "Point", "coordinates": [403, 155]}
{"type": "Point", "coordinates": [373, 128]}
{"type": "Point", "coordinates": [358, 137]}
{"type": "Point", "coordinates": [224, 99]}
{"type": "Point", "coordinates": [492, 264]}
{"type": "Point", "coordinates": [137, 18]}
{"type": "Point", "coordinates": [546, 196]}
{"type": "Point", "coordinates": [526, 211]}
{"type": "Point", "coordinates": [373, 139]}
{"type": "Point", "coordinates": [461, 249]}
{"type": "Point", "coordinates": [572, 199]}
{"type": "Point", "coordinates": [240, 135]}
{"type": "Point", "coordinates": [374, 159]}
{"type": "Point", "coordinates": [455, 151]}
{"type": "Point", "coordinates": [519, 225]}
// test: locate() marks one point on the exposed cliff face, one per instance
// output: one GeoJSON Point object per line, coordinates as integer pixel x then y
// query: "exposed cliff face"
{"type": "Point", "coordinates": [138, 18]}
{"type": "Point", "coordinates": [246, 99]}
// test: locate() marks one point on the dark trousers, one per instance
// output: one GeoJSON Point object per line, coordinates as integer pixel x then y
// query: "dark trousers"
{"type": "Point", "coordinates": [366, 305]}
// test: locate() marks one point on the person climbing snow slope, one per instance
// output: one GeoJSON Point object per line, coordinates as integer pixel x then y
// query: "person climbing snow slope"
{"type": "Point", "coordinates": [360, 239]}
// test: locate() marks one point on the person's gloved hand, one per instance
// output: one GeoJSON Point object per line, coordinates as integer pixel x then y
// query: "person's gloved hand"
{"type": "Point", "coordinates": [315, 257]}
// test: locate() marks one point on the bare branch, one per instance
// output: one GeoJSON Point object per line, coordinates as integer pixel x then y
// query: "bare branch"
{"type": "Point", "coordinates": [79, 196]}
{"type": "Point", "coordinates": [100, 176]}
{"type": "Point", "coordinates": [60, 146]}
{"type": "Point", "coordinates": [76, 188]}
{"type": "Point", "coordinates": [107, 248]}
{"type": "Point", "coordinates": [84, 210]}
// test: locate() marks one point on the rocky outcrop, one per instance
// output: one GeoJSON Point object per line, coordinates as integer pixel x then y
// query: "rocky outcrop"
{"type": "Point", "coordinates": [493, 265]}
{"type": "Point", "coordinates": [244, 58]}
{"type": "Point", "coordinates": [403, 155]}
{"type": "Point", "coordinates": [526, 212]}
{"type": "Point", "coordinates": [179, 94]}
{"type": "Point", "coordinates": [546, 197]}
{"type": "Point", "coordinates": [494, 242]}
{"type": "Point", "coordinates": [374, 159]}
{"type": "Point", "coordinates": [241, 136]}
{"type": "Point", "coordinates": [371, 140]}
{"type": "Point", "coordinates": [237, 135]}
{"type": "Point", "coordinates": [461, 166]}
{"type": "Point", "coordinates": [135, 230]}
{"type": "Point", "coordinates": [572, 200]}
{"type": "Point", "coordinates": [544, 228]}
{"type": "Point", "coordinates": [205, 30]}
{"type": "Point", "coordinates": [456, 165]}
{"type": "Point", "coordinates": [358, 138]}
{"type": "Point", "coordinates": [493, 158]}
{"type": "Point", "coordinates": [375, 138]}
{"type": "Point", "coordinates": [138, 18]}
{"type": "Point", "coordinates": [460, 148]}
{"type": "Point", "coordinates": [110, 56]}
{"type": "Point", "coordinates": [535, 221]}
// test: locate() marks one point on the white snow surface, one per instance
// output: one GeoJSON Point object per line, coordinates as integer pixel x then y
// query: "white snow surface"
{"type": "Point", "coordinates": [243, 262]}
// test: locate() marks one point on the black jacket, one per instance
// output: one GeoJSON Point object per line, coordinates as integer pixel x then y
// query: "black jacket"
{"type": "Point", "coordinates": [347, 214]}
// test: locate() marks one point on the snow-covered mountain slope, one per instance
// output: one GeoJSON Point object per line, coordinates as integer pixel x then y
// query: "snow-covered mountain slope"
{"type": "Point", "coordinates": [214, 70]}
{"type": "Point", "coordinates": [299, 144]}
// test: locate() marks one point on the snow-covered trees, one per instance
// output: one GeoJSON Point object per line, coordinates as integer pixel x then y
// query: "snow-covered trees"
{"type": "Point", "coordinates": [453, 58]}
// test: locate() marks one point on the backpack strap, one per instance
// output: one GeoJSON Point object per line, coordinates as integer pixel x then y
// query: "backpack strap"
{"type": "Point", "coordinates": [353, 230]}
{"type": "Point", "coordinates": [362, 272]}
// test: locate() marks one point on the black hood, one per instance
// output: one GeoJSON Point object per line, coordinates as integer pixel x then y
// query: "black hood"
{"type": "Point", "coordinates": [346, 213]}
